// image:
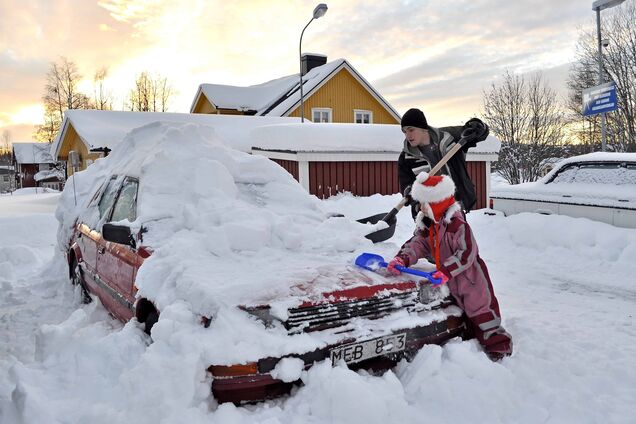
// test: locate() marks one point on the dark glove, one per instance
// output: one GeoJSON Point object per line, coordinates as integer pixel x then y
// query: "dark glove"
{"type": "Point", "coordinates": [475, 130]}
{"type": "Point", "coordinates": [407, 195]}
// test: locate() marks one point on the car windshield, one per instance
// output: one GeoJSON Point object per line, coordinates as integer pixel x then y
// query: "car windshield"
{"type": "Point", "coordinates": [597, 173]}
{"type": "Point", "coordinates": [108, 197]}
{"type": "Point", "coordinates": [125, 207]}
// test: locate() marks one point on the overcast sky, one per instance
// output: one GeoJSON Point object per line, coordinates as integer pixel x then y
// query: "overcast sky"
{"type": "Point", "coordinates": [435, 55]}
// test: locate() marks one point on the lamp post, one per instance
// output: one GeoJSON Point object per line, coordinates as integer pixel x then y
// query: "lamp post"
{"type": "Point", "coordinates": [319, 11]}
{"type": "Point", "coordinates": [597, 6]}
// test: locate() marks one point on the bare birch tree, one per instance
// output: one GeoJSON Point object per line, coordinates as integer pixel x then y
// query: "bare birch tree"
{"type": "Point", "coordinates": [102, 98]}
{"type": "Point", "coordinates": [150, 94]}
{"type": "Point", "coordinates": [5, 149]}
{"type": "Point", "coordinates": [61, 93]}
{"type": "Point", "coordinates": [49, 129]}
{"type": "Point", "coordinates": [526, 116]}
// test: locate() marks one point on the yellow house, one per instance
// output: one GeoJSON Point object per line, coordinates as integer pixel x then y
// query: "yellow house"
{"type": "Point", "coordinates": [69, 140]}
{"type": "Point", "coordinates": [332, 92]}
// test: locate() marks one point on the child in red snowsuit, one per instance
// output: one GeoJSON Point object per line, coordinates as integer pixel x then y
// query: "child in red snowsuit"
{"type": "Point", "coordinates": [444, 235]}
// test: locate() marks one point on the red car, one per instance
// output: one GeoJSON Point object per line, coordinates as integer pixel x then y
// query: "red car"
{"type": "Point", "coordinates": [104, 260]}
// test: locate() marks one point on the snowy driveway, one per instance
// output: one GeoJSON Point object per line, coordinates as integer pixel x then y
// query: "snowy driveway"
{"type": "Point", "coordinates": [566, 288]}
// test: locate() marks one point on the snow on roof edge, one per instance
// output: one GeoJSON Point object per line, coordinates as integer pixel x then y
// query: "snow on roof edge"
{"type": "Point", "coordinates": [342, 138]}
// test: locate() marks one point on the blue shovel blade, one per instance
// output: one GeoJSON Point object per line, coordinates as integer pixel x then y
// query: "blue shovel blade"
{"type": "Point", "coordinates": [370, 261]}
{"type": "Point", "coordinates": [373, 262]}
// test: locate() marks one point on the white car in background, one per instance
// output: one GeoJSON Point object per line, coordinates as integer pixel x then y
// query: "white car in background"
{"type": "Point", "coordinates": [598, 186]}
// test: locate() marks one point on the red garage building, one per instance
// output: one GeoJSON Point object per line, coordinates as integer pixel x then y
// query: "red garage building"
{"type": "Point", "coordinates": [328, 159]}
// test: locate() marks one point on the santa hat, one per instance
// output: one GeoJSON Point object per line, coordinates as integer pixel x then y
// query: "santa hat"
{"type": "Point", "coordinates": [436, 193]}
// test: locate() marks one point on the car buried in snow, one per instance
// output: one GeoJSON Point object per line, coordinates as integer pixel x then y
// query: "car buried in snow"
{"type": "Point", "coordinates": [597, 186]}
{"type": "Point", "coordinates": [139, 256]}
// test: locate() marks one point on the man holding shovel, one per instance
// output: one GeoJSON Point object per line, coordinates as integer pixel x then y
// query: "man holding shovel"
{"type": "Point", "coordinates": [425, 146]}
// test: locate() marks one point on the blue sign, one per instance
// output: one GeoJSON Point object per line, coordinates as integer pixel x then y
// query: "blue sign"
{"type": "Point", "coordinates": [599, 99]}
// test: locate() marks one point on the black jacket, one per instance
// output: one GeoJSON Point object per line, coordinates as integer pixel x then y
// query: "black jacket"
{"type": "Point", "coordinates": [414, 160]}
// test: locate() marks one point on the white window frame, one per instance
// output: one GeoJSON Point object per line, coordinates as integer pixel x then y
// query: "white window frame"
{"type": "Point", "coordinates": [322, 110]}
{"type": "Point", "coordinates": [363, 111]}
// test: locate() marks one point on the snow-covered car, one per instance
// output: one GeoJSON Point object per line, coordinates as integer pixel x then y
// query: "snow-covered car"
{"type": "Point", "coordinates": [598, 186]}
{"type": "Point", "coordinates": [223, 251]}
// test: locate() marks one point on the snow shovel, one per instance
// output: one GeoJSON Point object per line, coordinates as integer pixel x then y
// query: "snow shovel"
{"type": "Point", "coordinates": [372, 262]}
{"type": "Point", "coordinates": [390, 218]}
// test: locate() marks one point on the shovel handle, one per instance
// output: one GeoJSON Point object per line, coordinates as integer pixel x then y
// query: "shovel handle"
{"type": "Point", "coordinates": [460, 143]}
{"type": "Point", "coordinates": [389, 216]}
{"type": "Point", "coordinates": [424, 274]}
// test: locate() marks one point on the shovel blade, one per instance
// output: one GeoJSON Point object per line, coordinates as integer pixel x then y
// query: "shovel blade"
{"type": "Point", "coordinates": [370, 261]}
{"type": "Point", "coordinates": [383, 234]}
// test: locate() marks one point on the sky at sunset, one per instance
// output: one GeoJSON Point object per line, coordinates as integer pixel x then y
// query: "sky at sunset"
{"type": "Point", "coordinates": [436, 55]}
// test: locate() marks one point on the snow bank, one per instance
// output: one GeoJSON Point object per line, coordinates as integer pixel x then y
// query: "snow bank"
{"type": "Point", "coordinates": [565, 287]}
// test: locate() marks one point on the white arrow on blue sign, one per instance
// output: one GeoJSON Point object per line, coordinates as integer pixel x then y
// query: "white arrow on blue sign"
{"type": "Point", "coordinates": [599, 99]}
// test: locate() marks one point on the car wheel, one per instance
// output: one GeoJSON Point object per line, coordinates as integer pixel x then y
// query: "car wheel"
{"type": "Point", "coordinates": [77, 279]}
{"type": "Point", "coordinates": [151, 319]}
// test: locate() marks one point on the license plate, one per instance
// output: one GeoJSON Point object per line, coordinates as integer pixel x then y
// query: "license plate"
{"type": "Point", "coordinates": [356, 352]}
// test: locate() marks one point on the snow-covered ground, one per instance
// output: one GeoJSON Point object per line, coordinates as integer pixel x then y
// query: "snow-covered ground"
{"type": "Point", "coordinates": [566, 288]}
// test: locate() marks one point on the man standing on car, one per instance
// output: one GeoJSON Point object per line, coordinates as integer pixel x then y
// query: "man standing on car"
{"type": "Point", "coordinates": [425, 146]}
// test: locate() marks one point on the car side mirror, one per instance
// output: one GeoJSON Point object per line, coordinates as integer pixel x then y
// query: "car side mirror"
{"type": "Point", "coordinates": [118, 234]}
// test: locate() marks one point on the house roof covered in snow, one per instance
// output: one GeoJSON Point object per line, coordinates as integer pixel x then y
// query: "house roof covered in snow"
{"type": "Point", "coordinates": [27, 153]}
{"type": "Point", "coordinates": [101, 128]}
{"type": "Point", "coordinates": [281, 96]}
{"type": "Point", "coordinates": [106, 129]}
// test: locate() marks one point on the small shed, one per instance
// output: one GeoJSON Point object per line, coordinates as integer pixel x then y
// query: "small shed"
{"type": "Point", "coordinates": [35, 167]}
{"type": "Point", "coordinates": [327, 159]}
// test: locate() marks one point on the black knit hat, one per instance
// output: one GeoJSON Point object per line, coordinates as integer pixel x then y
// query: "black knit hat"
{"type": "Point", "coordinates": [414, 118]}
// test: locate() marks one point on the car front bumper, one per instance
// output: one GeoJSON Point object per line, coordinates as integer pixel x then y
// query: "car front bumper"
{"type": "Point", "coordinates": [260, 385]}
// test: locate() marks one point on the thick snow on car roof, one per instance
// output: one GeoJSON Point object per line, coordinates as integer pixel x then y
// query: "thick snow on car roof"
{"type": "Point", "coordinates": [227, 229]}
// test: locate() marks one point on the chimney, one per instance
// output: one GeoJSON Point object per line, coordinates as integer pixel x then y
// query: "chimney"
{"type": "Point", "coordinates": [310, 61]}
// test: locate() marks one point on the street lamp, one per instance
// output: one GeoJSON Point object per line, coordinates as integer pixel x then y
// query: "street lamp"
{"type": "Point", "coordinates": [319, 11]}
{"type": "Point", "coordinates": [599, 5]}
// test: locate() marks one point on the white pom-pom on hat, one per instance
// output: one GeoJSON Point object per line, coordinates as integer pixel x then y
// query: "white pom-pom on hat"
{"type": "Point", "coordinates": [432, 188]}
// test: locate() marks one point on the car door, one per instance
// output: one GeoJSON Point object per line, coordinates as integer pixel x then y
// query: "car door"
{"type": "Point", "coordinates": [90, 237]}
{"type": "Point", "coordinates": [117, 263]}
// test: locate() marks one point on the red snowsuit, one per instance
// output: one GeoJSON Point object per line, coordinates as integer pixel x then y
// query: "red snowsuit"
{"type": "Point", "coordinates": [468, 281]}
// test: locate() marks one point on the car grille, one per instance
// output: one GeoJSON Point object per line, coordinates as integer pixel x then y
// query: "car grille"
{"type": "Point", "coordinates": [319, 317]}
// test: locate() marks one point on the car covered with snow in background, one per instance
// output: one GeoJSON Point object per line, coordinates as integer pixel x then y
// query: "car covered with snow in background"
{"type": "Point", "coordinates": [598, 186]}
{"type": "Point", "coordinates": [224, 252]}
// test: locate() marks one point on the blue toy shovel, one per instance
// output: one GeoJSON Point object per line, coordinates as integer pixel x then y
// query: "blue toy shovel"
{"type": "Point", "coordinates": [372, 262]}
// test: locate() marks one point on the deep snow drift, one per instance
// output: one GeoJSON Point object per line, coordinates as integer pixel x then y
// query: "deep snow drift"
{"type": "Point", "coordinates": [565, 287]}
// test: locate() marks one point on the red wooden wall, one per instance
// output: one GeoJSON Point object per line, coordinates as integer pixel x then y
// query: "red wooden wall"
{"type": "Point", "coordinates": [477, 173]}
{"type": "Point", "coordinates": [359, 178]}
{"type": "Point", "coordinates": [367, 178]}
{"type": "Point", "coordinates": [28, 171]}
